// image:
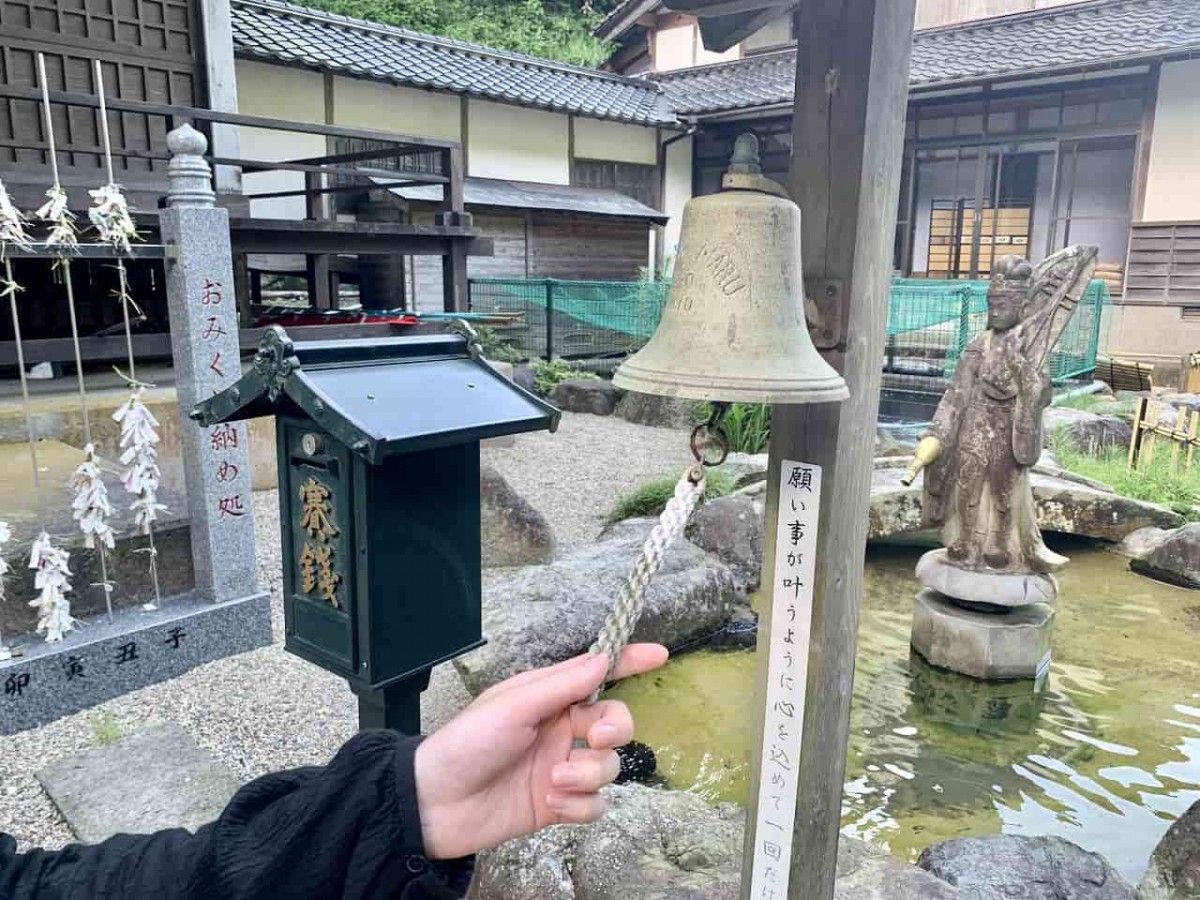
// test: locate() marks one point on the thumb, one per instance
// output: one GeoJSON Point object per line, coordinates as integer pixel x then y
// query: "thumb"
{"type": "Point", "coordinates": [542, 698]}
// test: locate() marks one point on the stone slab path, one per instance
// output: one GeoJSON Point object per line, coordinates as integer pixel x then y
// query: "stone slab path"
{"type": "Point", "coordinates": [158, 778]}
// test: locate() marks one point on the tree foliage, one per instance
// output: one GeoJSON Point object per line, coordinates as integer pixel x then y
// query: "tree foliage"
{"type": "Point", "coordinates": [553, 29]}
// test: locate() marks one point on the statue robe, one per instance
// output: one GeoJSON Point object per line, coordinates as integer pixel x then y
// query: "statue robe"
{"type": "Point", "coordinates": [990, 426]}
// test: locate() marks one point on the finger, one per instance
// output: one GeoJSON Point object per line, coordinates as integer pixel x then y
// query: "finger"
{"type": "Point", "coordinates": [639, 658]}
{"type": "Point", "coordinates": [532, 675]}
{"type": "Point", "coordinates": [586, 771]}
{"type": "Point", "coordinates": [577, 808]}
{"type": "Point", "coordinates": [542, 698]}
{"type": "Point", "coordinates": [605, 725]}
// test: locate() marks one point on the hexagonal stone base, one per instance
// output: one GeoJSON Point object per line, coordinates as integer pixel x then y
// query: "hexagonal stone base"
{"type": "Point", "coordinates": [992, 646]}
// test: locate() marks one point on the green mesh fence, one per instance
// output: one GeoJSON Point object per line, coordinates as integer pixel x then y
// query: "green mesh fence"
{"type": "Point", "coordinates": [597, 323]}
{"type": "Point", "coordinates": [930, 323]}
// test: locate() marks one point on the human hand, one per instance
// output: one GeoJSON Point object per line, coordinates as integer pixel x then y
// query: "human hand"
{"type": "Point", "coordinates": [506, 767]}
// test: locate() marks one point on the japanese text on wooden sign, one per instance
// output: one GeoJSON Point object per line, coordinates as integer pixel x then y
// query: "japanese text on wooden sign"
{"type": "Point", "coordinates": [791, 622]}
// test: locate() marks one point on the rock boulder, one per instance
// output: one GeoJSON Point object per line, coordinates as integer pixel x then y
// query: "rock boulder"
{"type": "Point", "coordinates": [1174, 870]}
{"type": "Point", "coordinates": [1086, 432]}
{"type": "Point", "coordinates": [1176, 559]}
{"type": "Point", "coordinates": [586, 395]}
{"type": "Point", "coordinates": [658, 412]}
{"type": "Point", "coordinates": [1011, 867]}
{"type": "Point", "coordinates": [513, 533]}
{"type": "Point", "coordinates": [669, 845]}
{"type": "Point", "coordinates": [539, 615]}
{"type": "Point", "coordinates": [731, 528]}
{"type": "Point", "coordinates": [1141, 542]}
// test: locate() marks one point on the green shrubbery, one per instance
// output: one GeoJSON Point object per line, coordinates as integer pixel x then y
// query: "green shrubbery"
{"type": "Point", "coordinates": [651, 498]}
{"type": "Point", "coordinates": [496, 348]}
{"type": "Point", "coordinates": [1154, 483]}
{"type": "Point", "coordinates": [549, 375]}
{"type": "Point", "coordinates": [747, 425]}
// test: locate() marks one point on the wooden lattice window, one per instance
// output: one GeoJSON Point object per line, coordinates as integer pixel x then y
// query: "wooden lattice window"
{"type": "Point", "coordinates": [1164, 264]}
{"type": "Point", "coordinates": [147, 51]}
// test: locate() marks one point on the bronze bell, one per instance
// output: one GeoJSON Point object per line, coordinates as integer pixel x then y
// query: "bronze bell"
{"type": "Point", "coordinates": [733, 327]}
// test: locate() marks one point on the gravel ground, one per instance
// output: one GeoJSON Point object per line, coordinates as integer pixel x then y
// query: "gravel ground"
{"type": "Point", "coordinates": [266, 710]}
{"type": "Point", "coordinates": [574, 475]}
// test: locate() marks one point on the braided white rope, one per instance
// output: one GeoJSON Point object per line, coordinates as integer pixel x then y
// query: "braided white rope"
{"type": "Point", "coordinates": [623, 618]}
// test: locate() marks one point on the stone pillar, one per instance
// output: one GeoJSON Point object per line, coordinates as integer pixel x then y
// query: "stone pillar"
{"type": "Point", "coordinates": [204, 343]}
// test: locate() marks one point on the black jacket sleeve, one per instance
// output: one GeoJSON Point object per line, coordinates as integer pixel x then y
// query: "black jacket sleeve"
{"type": "Point", "coordinates": [350, 830]}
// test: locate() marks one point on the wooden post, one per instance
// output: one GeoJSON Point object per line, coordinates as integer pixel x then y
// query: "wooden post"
{"type": "Point", "coordinates": [455, 289]}
{"type": "Point", "coordinates": [848, 143]}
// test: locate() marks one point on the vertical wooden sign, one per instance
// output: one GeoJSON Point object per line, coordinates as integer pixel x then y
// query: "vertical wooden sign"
{"type": "Point", "coordinates": [791, 623]}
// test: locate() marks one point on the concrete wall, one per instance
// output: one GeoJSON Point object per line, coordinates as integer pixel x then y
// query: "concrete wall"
{"type": "Point", "coordinates": [1173, 186]}
{"type": "Point", "coordinates": [598, 139]}
{"type": "Point", "coordinates": [521, 144]}
{"type": "Point", "coordinates": [1154, 334]}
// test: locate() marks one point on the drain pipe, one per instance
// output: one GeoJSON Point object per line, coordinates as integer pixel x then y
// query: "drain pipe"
{"type": "Point", "coordinates": [1094, 388]}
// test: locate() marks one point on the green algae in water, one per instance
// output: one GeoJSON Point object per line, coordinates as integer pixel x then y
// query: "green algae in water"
{"type": "Point", "coordinates": [1107, 755]}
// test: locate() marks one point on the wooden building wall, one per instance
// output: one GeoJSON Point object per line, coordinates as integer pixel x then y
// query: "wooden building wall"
{"type": "Point", "coordinates": [148, 51]}
{"type": "Point", "coordinates": [543, 245]}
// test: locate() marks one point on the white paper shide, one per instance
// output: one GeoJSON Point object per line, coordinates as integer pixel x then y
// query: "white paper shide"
{"type": "Point", "coordinates": [791, 624]}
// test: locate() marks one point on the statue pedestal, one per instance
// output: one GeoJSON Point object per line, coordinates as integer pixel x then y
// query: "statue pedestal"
{"type": "Point", "coordinates": [999, 589]}
{"type": "Point", "coordinates": [990, 645]}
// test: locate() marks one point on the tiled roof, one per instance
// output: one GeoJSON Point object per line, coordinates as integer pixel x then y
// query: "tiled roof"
{"type": "Point", "coordinates": [534, 195]}
{"type": "Point", "coordinates": [1082, 34]}
{"type": "Point", "coordinates": [283, 32]}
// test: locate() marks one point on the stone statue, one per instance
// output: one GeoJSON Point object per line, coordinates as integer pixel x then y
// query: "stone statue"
{"type": "Point", "coordinates": [986, 605]}
{"type": "Point", "coordinates": [987, 431]}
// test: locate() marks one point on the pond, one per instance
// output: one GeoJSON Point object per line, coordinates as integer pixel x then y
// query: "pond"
{"type": "Point", "coordinates": [1107, 754]}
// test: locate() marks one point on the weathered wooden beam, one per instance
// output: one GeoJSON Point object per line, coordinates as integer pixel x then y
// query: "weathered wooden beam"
{"type": "Point", "coordinates": [848, 141]}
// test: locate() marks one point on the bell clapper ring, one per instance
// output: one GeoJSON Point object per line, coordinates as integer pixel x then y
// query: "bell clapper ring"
{"type": "Point", "coordinates": [710, 444]}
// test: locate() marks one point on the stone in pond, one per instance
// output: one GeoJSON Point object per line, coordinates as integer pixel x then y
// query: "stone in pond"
{"type": "Point", "coordinates": [1141, 542]}
{"type": "Point", "coordinates": [539, 615]}
{"type": "Point", "coordinates": [586, 395]}
{"type": "Point", "coordinates": [1176, 560]}
{"type": "Point", "coordinates": [669, 845]}
{"type": "Point", "coordinates": [1011, 867]}
{"type": "Point", "coordinates": [1174, 870]}
{"type": "Point", "coordinates": [513, 533]}
{"type": "Point", "coordinates": [732, 529]}
{"type": "Point", "coordinates": [638, 763]}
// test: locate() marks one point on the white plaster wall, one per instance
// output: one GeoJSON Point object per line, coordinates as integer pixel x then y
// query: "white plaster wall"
{"type": "Point", "coordinates": [678, 46]}
{"type": "Point", "coordinates": [1173, 186]}
{"type": "Point", "coordinates": [616, 141]}
{"type": "Point", "coordinates": [277, 146]}
{"type": "Point", "coordinates": [282, 93]}
{"type": "Point", "coordinates": [388, 107]}
{"type": "Point", "coordinates": [677, 190]}
{"type": "Point", "coordinates": [520, 144]}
